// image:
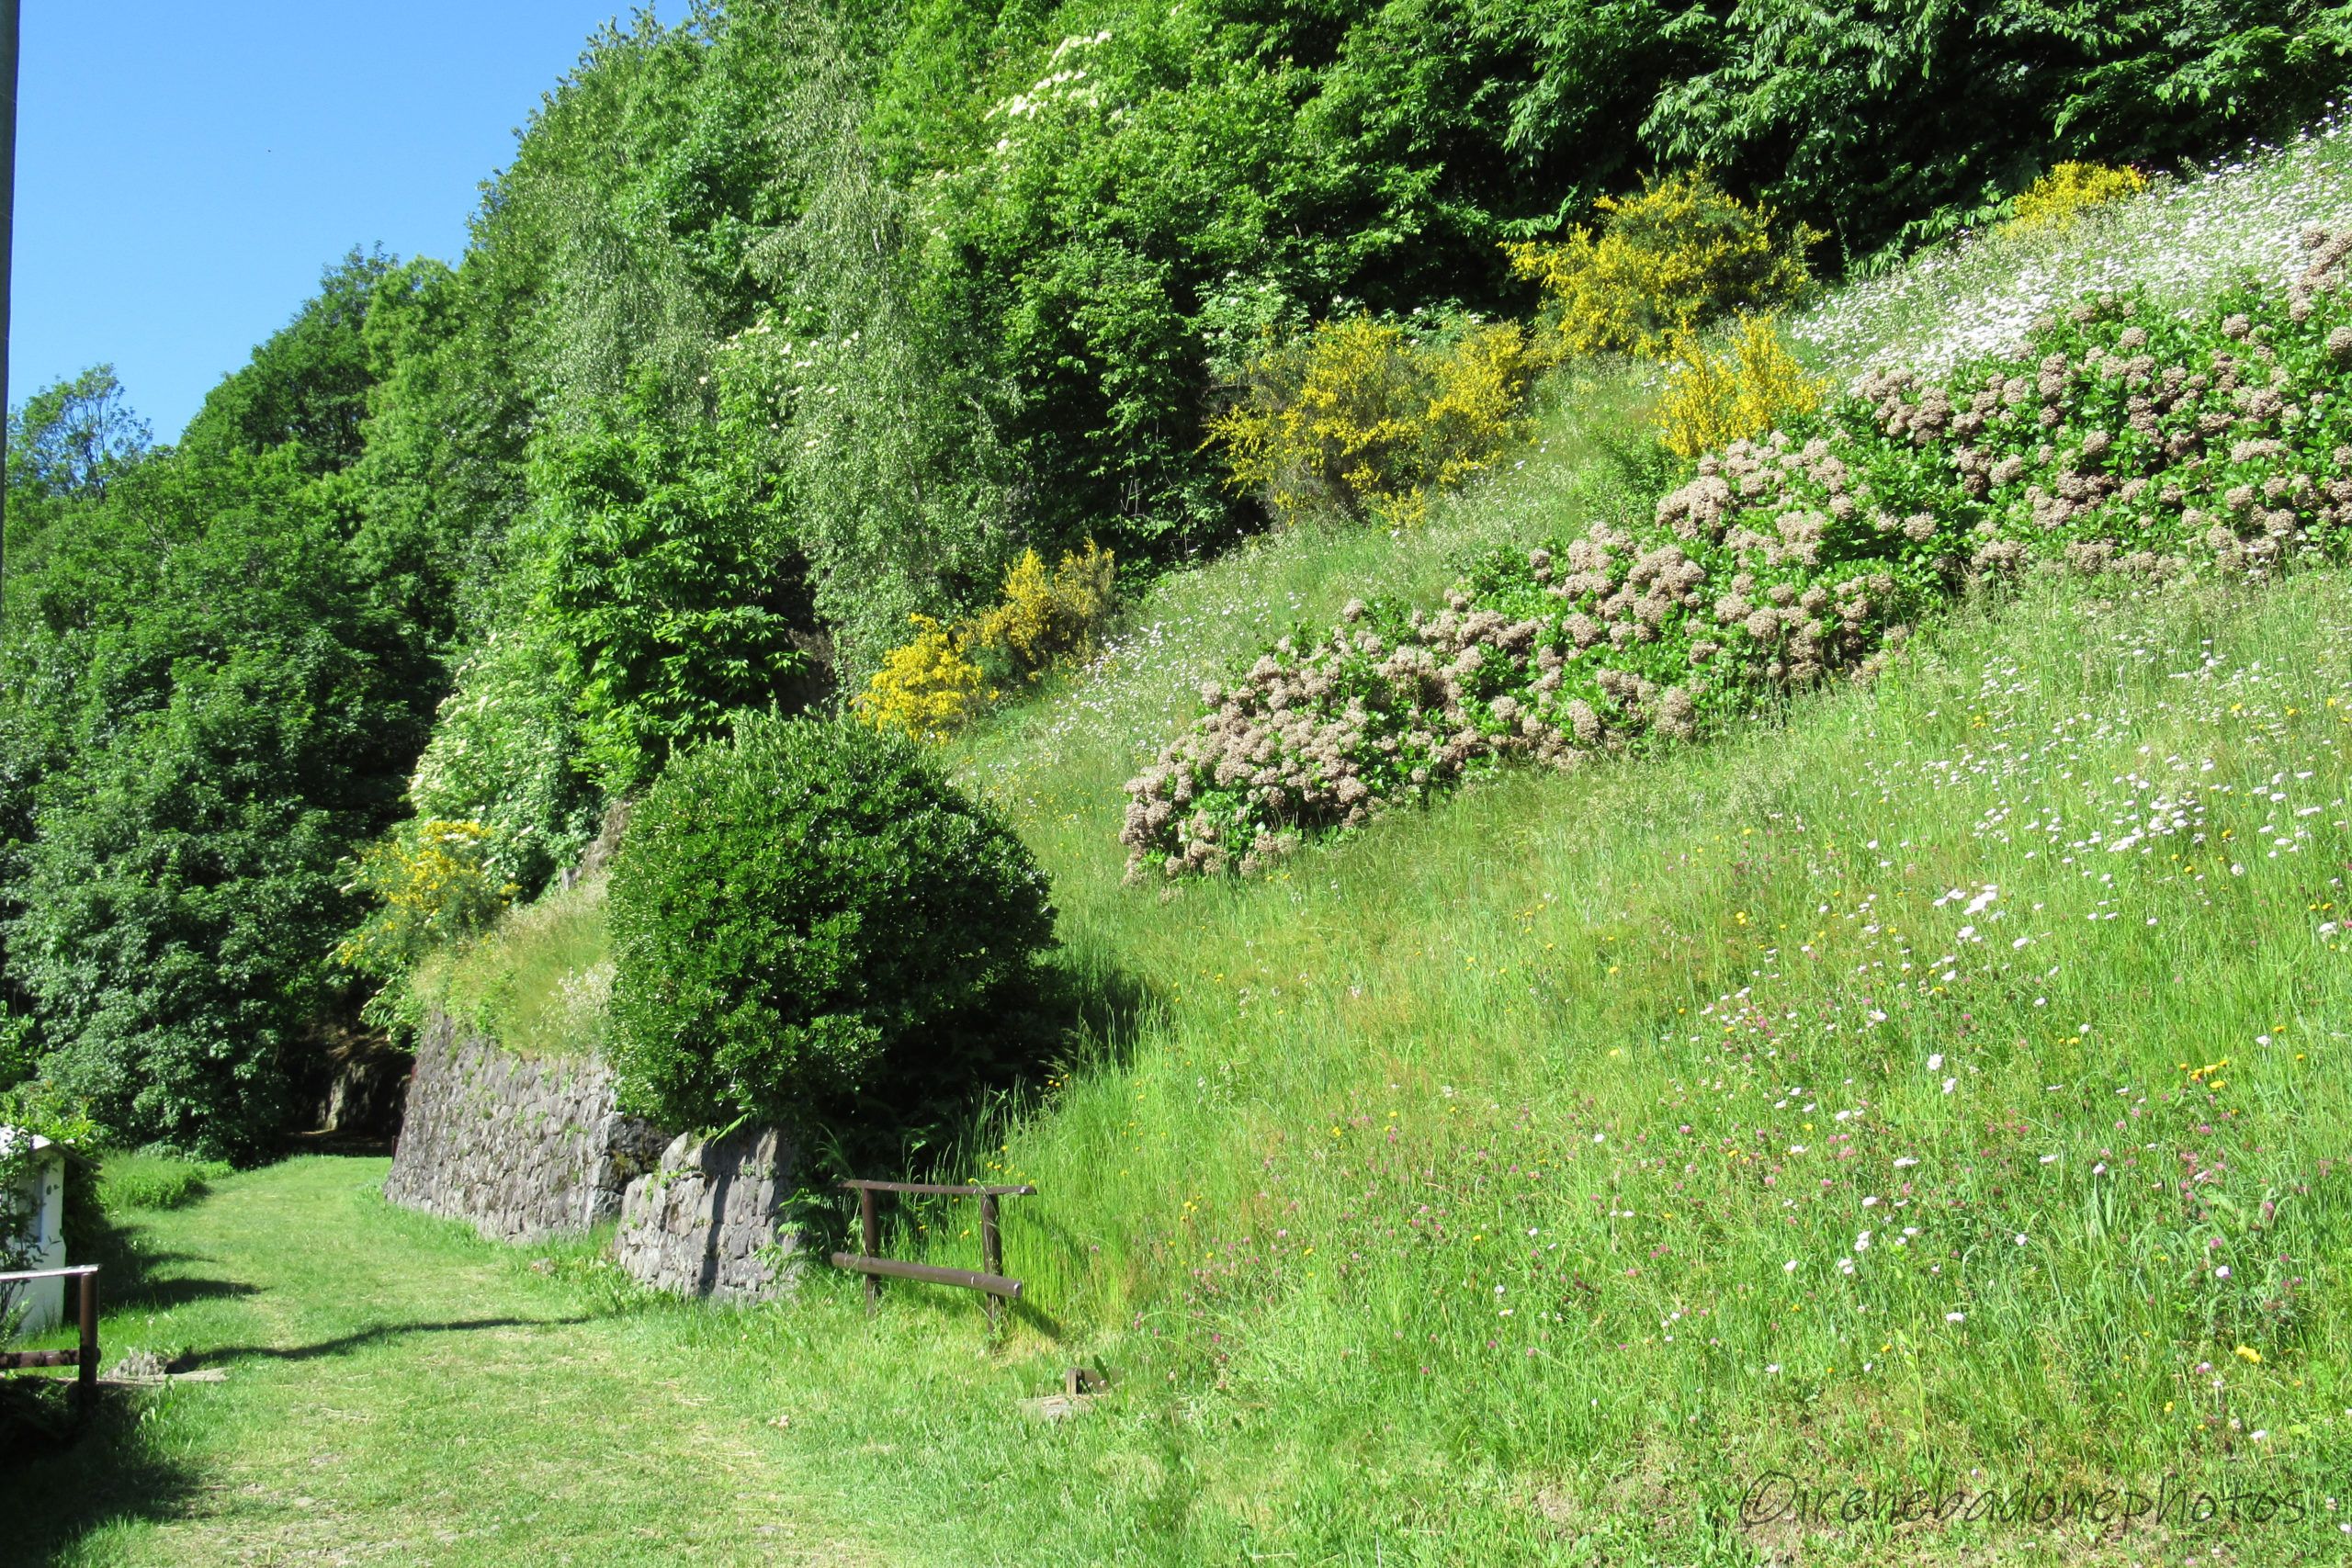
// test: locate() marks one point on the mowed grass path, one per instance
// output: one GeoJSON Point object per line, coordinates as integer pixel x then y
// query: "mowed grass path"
{"type": "Point", "coordinates": [397, 1391]}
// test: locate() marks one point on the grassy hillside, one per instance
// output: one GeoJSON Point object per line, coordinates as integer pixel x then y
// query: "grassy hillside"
{"type": "Point", "coordinates": [1935, 1084]}
{"type": "Point", "coordinates": [1650, 1125]}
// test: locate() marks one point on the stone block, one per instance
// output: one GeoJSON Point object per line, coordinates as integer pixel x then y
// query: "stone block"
{"type": "Point", "coordinates": [709, 1219]}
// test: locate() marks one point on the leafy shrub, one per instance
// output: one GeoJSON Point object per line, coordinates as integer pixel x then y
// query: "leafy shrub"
{"type": "Point", "coordinates": [130, 1180]}
{"type": "Point", "coordinates": [2059, 197]}
{"type": "Point", "coordinates": [929, 688]}
{"type": "Point", "coordinates": [808, 921]}
{"type": "Point", "coordinates": [1366, 418]}
{"type": "Point", "coordinates": [1667, 260]}
{"type": "Point", "coordinates": [1711, 400]}
{"type": "Point", "coordinates": [19, 1049]}
{"type": "Point", "coordinates": [432, 885]}
{"type": "Point", "coordinates": [2115, 440]}
{"type": "Point", "coordinates": [1044, 620]}
{"type": "Point", "coordinates": [38, 1110]}
{"type": "Point", "coordinates": [238, 716]}
{"type": "Point", "coordinates": [926, 689]}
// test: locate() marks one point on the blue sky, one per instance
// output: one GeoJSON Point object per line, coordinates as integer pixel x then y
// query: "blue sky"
{"type": "Point", "coordinates": [185, 171]}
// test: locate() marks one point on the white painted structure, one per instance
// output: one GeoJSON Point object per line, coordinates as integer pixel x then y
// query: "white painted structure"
{"type": "Point", "coordinates": [41, 1195]}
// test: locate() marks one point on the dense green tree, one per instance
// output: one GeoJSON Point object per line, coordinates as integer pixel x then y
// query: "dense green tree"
{"type": "Point", "coordinates": [211, 697]}
{"type": "Point", "coordinates": [306, 388]}
{"type": "Point", "coordinates": [233, 716]}
{"type": "Point", "coordinates": [671, 596]}
{"type": "Point", "coordinates": [1889, 121]}
{"type": "Point", "coordinates": [71, 438]}
{"type": "Point", "coordinates": [67, 443]}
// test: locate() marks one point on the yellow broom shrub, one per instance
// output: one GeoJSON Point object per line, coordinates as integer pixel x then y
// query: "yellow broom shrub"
{"type": "Point", "coordinates": [2058, 199]}
{"type": "Point", "coordinates": [931, 687]}
{"type": "Point", "coordinates": [1711, 400]}
{"type": "Point", "coordinates": [1047, 619]}
{"type": "Point", "coordinates": [432, 886]}
{"type": "Point", "coordinates": [1666, 259]}
{"type": "Point", "coordinates": [1364, 418]}
{"type": "Point", "coordinates": [927, 688]}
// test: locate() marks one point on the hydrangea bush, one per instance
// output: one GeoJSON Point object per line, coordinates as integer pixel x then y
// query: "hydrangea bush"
{"type": "Point", "coordinates": [2113, 440]}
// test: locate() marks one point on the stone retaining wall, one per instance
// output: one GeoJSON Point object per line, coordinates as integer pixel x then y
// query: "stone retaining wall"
{"type": "Point", "coordinates": [522, 1149]}
{"type": "Point", "coordinates": [708, 1221]}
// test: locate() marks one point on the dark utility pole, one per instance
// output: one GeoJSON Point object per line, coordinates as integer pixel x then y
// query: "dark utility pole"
{"type": "Point", "coordinates": [8, 19]}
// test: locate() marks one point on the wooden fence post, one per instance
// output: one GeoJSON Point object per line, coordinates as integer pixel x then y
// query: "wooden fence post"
{"type": "Point", "coordinates": [991, 1280]}
{"type": "Point", "coordinates": [872, 1248]}
{"type": "Point", "coordinates": [991, 1250]}
{"type": "Point", "coordinates": [86, 1371]}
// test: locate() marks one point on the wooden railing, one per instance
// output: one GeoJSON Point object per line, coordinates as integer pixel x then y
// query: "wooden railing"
{"type": "Point", "coordinates": [84, 1358]}
{"type": "Point", "coordinates": [990, 1278]}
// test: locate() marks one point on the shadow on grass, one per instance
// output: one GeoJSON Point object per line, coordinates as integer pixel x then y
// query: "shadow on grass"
{"type": "Point", "coordinates": [361, 1339]}
{"type": "Point", "coordinates": [135, 1275]}
{"type": "Point", "coordinates": [1083, 1013]}
{"type": "Point", "coordinates": [60, 1481]}
{"type": "Point", "coordinates": [1038, 1318]}
{"type": "Point", "coordinates": [128, 1282]}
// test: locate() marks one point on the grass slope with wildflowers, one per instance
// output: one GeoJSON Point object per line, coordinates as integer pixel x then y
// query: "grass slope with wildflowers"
{"type": "Point", "coordinates": [2113, 438]}
{"type": "Point", "coordinates": [1938, 1084]}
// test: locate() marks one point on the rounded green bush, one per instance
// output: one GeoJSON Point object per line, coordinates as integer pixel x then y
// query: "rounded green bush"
{"type": "Point", "coordinates": [807, 919]}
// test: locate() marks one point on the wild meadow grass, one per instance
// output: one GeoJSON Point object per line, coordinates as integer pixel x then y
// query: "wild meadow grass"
{"type": "Point", "coordinates": [540, 985]}
{"type": "Point", "coordinates": [2185, 240]}
{"type": "Point", "coordinates": [1938, 1084]}
{"type": "Point", "coordinates": [1945, 1083]}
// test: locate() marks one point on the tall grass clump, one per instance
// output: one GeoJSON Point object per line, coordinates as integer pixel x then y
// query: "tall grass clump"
{"type": "Point", "coordinates": [130, 1181]}
{"type": "Point", "coordinates": [538, 982]}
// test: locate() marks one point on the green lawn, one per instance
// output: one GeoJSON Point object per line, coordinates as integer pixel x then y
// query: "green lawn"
{"type": "Point", "coordinates": [400, 1392]}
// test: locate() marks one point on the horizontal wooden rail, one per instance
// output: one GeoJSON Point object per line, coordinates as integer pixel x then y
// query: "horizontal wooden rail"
{"type": "Point", "coordinates": [969, 1278]}
{"type": "Point", "coordinates": [74, 1272]}
{"type": "Point", "coordinates": [82, 1359]}
{"type": "Point", "coordinates": [988, 1278]}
